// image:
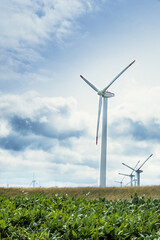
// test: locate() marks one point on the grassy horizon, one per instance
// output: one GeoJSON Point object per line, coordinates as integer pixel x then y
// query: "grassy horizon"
{"type": "Point", "coordinates": [109, 193]}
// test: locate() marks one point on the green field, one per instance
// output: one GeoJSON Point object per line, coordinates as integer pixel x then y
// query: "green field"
{"type": "Point", "coordinates": [53, 214]}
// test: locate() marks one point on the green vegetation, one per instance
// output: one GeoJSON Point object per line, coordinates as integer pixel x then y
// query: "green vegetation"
{"type": "Point", "coordinates": [39, 216]}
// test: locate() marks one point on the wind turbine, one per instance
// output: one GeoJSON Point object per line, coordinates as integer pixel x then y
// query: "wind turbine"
{"type": "Point", "coordinates": [121, 182]}
{"type": "Point", "coordinates": [134, 180]}
{"type": "Point", "coordinates": [131, 175]}
{"type": "Point", "coordinates": [128, 175]}
{"type": "Point", "coordinates": [103, 94]}
{"type": "Point", "coordinates": [138, 171]}
{"type": "Point", "coordinates": [33, 183]}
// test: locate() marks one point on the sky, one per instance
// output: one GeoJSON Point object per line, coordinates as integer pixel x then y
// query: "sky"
{"type": "Point", "coordinates": [48, 114]}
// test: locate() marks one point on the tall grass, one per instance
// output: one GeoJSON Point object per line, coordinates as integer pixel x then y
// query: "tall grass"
{"type": "Point", "coordinates": [109, 193]}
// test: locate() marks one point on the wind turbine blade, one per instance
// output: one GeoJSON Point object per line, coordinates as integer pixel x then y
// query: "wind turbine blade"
{"type": "Point", "coordinates": [145, 161]}
{"type": "Point", "coordinates": [128, 166]}
{"type": "Point", "coordinates": [117, 76]}
{"type": "Point", "coordinates": [98, 119]}
{"type": "Point", "coordinates": [90, 84]}
{"type": "Point", "coordinates": [135, 167]}
{"type": "Point", "coordinates": [128, 183]}
{"type": "Point", "coordinates": [123, 178]}
{"type": "Point", "coordinates": [124, 174]}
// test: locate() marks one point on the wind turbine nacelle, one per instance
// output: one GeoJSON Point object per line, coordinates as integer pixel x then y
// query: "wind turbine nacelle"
{"type": "Point", "coordinates": [106, 94]}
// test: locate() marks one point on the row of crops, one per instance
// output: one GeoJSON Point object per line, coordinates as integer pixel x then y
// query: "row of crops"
{"type": "Point", "coordinates": [62, 217]}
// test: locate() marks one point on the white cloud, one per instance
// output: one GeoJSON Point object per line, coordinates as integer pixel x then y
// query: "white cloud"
{"type": "Point", "coordinates": [138, 102]}
{"type": "Point", "coordinates": [4, 128]}
{"type": "Point", "coordinates": [24, 24]}
{"type": "Point", "coordinates": [45, 136]}
{"type": "Point", "coordinates": [29, 28]}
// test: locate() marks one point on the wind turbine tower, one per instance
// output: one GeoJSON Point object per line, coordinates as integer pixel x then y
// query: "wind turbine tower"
{"type": "Point", "coordinates": [103, 94]}
{"type": "Point", "coordinates": [138, 171]}
{"type": "Point", "coordinates": [119, 182]}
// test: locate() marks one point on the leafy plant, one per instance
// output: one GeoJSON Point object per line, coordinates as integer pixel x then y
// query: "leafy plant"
{"type": "Point", "coordinates": [63, 217]}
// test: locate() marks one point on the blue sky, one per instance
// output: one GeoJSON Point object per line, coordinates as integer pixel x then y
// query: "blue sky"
{"type": "Point", "coordinates": [48, 114]}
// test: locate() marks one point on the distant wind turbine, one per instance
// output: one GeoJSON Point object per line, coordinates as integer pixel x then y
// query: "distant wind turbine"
{"type": "Point", "coordinates": [131, 175]}
{"type": "Point", "coordinates": [138, 171]}
{"type": "Point", "coordinates": [103, 94]}
{"type": "Point", "coordinates": [128, 175]}
{"type": "Point", "coordinates": [133, 180]}
{"type": "Point", "coordinates": [121, 182]}
{"type": "Point", "coordinates": [33, 183]}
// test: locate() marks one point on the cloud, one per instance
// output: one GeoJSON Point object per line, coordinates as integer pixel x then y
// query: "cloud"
{"type": "Point", "coordinates": [28, 27]}
{"type": "Point", "coordinates": [43, 127]}
{"type": "Point", "coordinates": [18, 171]}
{"type": "Point", "coordinates": [32, 22]}
{"type": "Point", "coordinates": [31, 121]}
{"type": "Point", "coordinates": [53, 139]}
{"type": "Point", "coordinates": [17, 142]}
{"type": "Point", "coordinates": [138, 130]}
{"type": "Point", "coordinates": [47, 136]}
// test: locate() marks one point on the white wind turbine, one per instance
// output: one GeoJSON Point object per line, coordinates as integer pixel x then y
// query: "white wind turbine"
{"type": "Point", "coordinates": [130, 175]}
{"type": "Point", "coordinates": [33, 183]}
{"type": "Point", "coordinates": [138, 171]}
{"type": "Point", "coordinates": [103, 94]}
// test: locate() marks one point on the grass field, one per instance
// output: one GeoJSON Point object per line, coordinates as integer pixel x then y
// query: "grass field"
{"type": "Point", "coordinates": [109, 193]}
